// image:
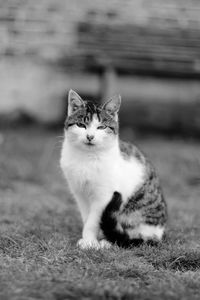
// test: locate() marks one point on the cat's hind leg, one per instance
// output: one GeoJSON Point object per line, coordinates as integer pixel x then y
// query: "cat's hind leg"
{"type": "Point", "coordinates": [147, 232]}
{"type": "Point", "coordinates": [151, 232]}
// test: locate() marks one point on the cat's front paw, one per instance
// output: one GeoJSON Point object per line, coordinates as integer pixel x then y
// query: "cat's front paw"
{"type": "Point", "coordinates": [88, 244]}
{"type": "Point", "coordinates": [105, 244]}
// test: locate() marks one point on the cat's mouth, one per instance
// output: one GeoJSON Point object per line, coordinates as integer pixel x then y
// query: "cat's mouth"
{"type": "Point", "coordinates": [89, 144]}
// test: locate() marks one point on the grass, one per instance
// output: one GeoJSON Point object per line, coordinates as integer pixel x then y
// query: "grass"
{"type": "Point", "coordinates": [40, 224]}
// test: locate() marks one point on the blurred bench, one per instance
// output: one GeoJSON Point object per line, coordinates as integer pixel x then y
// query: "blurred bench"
{"type": "Point", "coordinates": [140, 50]}
{"type": "Point", "coordinates": [111, 49]}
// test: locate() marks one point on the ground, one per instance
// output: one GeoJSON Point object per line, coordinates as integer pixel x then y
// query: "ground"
{"type": "Point", "coordinates": [40, 224]}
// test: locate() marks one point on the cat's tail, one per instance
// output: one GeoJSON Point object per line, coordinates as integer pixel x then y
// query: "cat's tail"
{"type": "Point", "coordinates": [109, 224]}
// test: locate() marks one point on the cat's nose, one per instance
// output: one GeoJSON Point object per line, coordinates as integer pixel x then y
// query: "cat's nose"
{"type": "Point", "coordinates": [90, 137]}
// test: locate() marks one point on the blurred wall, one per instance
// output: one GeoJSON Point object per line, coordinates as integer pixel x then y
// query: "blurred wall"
{"type": "Point", "coordinates": [36, 34]}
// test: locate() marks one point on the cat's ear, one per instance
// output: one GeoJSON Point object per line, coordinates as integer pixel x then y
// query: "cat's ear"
{"type": "Point", "coordinates": [74, 102]}
{"type": "Point", "coordinates": [112, 106]}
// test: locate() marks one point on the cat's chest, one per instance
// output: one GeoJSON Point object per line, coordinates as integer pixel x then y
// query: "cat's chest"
{"type": "Point", "coordinates": [84, 171]}
{"type": "Point", "coordinates": [91, 176]}
{"type": "Point", "coordinates": [87, 175]}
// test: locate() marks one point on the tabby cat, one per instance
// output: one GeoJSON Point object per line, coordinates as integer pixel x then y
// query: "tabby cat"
{"type": "Point", "coordinates": [116, 188]}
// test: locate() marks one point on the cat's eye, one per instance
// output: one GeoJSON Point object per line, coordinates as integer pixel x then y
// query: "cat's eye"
{"type": "Point", "coordinates": [102, 127]}
{"type": "Point", "coordinates": [81, 125]}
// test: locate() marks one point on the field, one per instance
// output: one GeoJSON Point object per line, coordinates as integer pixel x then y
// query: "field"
{"type": "Point", "coordinates": [40, 224]}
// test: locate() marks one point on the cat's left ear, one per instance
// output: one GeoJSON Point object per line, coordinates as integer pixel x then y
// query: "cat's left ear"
{"type": "Point", "coordinates": [75, 102]}
{"type": "Point", "coordinates": [112, 106]}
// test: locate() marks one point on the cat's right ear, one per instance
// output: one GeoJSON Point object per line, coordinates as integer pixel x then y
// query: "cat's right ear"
{"type": "Point", "coordinates": [112, 106]}
{"type": "Point", "coordinates": [74, 102]}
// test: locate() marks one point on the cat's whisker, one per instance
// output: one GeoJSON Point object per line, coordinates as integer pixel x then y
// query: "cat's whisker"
{"type": "Point", "coordinates": [60, 137]}
{"type": "Point", "coordinates": [58, 145]}
{"type": "Point", "coordinates": [59, 141]}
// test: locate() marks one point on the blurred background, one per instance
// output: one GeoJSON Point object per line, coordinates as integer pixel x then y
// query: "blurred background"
{"type": "Point", "coordinates": [146, 50]}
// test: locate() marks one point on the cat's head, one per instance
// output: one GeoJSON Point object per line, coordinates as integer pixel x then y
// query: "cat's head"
{"type": "Point", "coordinates": [89, 126]}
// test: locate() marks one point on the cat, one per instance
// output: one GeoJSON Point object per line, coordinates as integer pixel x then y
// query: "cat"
{"type": "Point", "coordinates": [115, 186]}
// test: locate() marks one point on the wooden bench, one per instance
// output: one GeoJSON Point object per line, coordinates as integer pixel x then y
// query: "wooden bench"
{"type": "Point", "coordinates": [140, 50]}
{"type": "Point", "coordinates": [111, 49]}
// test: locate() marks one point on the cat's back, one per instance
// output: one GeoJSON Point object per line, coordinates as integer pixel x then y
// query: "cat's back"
{"type": "Point", "coordinates": [130, 151]}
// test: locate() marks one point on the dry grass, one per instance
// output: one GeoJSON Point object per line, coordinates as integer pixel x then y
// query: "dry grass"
{"type": "Point", "coordinates": [39, 226]}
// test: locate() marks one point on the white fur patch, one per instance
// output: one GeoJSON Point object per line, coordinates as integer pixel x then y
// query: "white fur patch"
{"type": "Point", "coordinates": [130, 176]}
{"type": "Point", "coordinates": [146, 232]}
